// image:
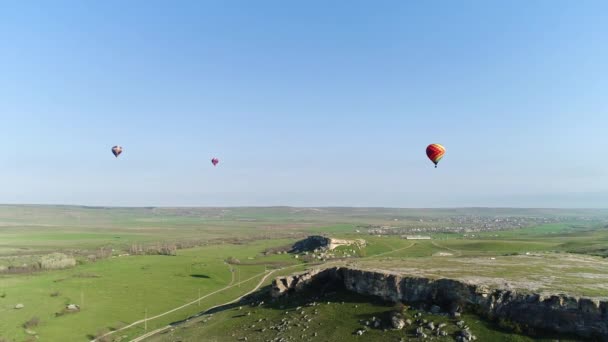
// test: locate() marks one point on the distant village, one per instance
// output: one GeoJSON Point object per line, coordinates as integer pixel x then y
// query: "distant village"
{"type": "Point", "coordinates": [415, 229]}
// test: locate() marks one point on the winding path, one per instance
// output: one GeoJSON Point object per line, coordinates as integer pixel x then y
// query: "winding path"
{"type": "Point", "coordinates": [182, 306]}
{"type": "Point", "coordinates": [231, 285]}
{"type": "Point", "coordinates": [393, 251]}
{"type": "Point", "coordinates": [458, 253]}
{"type": "Point", "coordinates": [154, 332]}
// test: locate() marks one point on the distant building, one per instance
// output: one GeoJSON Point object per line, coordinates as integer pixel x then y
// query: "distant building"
{"type": "Point", "coordinates": [416, 237]}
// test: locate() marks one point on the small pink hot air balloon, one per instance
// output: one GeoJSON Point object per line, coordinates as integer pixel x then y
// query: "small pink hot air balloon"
{"type": "Point", "coordinates": [215, 161]}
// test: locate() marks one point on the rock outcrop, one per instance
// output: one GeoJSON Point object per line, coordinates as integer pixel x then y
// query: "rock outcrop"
{"type": "Point", "coordinates": [558, 313]}
{"type": "Point", "coordinates": [314, 242]}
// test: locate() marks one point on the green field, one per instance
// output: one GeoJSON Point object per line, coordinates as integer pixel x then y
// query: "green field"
{"type": "Point", "coordinates": [119, 290]}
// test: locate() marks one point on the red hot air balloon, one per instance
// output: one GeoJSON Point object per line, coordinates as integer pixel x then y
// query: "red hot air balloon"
{"type": "Point", "coordinates": [214, 161]}
{"type": "Point", "coordinates": [116, 150]}
{"type": "Point", "coordinates": [435, 152]}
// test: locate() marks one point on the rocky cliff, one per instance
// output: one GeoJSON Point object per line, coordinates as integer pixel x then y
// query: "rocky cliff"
{"type": "Point", "coordinates": [558, 313]}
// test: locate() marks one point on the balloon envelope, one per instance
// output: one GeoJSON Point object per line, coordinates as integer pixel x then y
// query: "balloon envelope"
{"type": "Point", "coordinates": [214, 161]}
{"type": "Point", "coordinates": [435, 152]}
{"type": "Point", "coordinates": [116, 150]}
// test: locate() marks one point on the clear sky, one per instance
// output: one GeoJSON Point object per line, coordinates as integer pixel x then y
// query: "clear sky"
{"type": "Point", "coordinates": [309, 103]}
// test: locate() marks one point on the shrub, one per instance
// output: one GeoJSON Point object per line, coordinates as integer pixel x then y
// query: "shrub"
{"type": "Point", "coordinates": [509, 325]}
{"type": "Point", "coordinates": [99, 336]}
{"type": "Point", "coordinates": [55, 294]}
{"type": "Point", "coordinates": [233, 261]}
{"type": "Point", "coordinates": [400, 307]}
{"type": "Point", "coordinates": [31, 323]}
{"type": "Point", "coordinates": [56, 261]}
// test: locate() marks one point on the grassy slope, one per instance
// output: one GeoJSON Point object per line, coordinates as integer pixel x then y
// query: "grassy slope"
{"type": "Point", "coordinates": [339, 315]}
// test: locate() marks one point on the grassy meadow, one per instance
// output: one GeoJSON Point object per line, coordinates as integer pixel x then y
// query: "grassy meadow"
{"type": "Point", "coordinates": [118, 290]}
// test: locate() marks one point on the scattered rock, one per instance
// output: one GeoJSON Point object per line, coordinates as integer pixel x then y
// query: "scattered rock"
{"type": "Point", "coordinates": [467, 335]}
{"type": "Point", "coordinates": [19, 306]}
{"type": "Point", "coordinates": [397, 321]}
{"type": "Point", "coordinates": [420, 332]}
{"type": "Point", "coordinates": [359, 332]}
{"type": "Point", "coordinates": [73, 307]}
{"type": "Point", "coordinates": [431, 326]}
{"type": "Point", "coordinates": [441, 325]}
{"type": "Point", "coordinates": [460, 324]}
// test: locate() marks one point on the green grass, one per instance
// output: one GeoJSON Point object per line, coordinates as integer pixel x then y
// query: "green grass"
{"type": "Point", "coordinates": [118, 291]}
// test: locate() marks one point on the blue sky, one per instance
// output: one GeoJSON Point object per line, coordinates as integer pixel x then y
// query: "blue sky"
{"type": "Point", "coordinates": [307, 103]}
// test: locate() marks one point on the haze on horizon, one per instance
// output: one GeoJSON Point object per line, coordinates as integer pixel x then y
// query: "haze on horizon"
{"type": "Point", "coordinates": [305, 104]}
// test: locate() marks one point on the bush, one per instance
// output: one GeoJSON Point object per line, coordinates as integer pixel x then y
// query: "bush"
{"type": "Point", "coordinates": [509, 325]}
{"type": "Point", "coordinates": [100, 338]}
{"type": "Point", "coordinates": [31, 323]}
{"type": "Point", "coordinates": [56, 261]}
{"type": "Point", "coordinates": [2, 295]}
{"type": "Point", "coordinates": [55, 294]}
{"type": "Point", "coordinates": [233, 261]}
{"type": "Point", "coordinates": [400, 307]}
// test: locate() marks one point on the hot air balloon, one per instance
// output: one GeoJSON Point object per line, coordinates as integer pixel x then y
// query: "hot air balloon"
{"type": "Point", "coordinates": [117, 150]}
{"type": "Point", "coordinates": [435, 152]}
{"type": "Point", "coordinates": [214, 161]}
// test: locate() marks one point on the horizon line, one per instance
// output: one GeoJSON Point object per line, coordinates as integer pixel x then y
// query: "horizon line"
{"type": "Point", "coordinates": [289, 206]}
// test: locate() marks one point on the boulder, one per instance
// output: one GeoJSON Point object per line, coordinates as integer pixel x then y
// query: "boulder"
{"type": "Point", "coordinates": [72, 307]}
{"type": "Point", "coordinates": [397, 321]}
{"type": "Point", "coordinates": [467, 335]}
